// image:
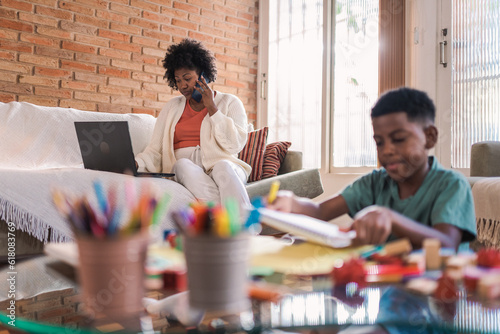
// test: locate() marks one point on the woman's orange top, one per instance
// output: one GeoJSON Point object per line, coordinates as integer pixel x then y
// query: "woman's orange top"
{"type": "Point", "coordinates": [187, 130]}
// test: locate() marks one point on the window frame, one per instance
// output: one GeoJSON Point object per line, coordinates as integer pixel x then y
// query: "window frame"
{"type": "Point", "coordinates": [327, 125]}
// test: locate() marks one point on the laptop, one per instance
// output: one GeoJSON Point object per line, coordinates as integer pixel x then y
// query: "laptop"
{"type": "Point", "coordinates": [106, 146]}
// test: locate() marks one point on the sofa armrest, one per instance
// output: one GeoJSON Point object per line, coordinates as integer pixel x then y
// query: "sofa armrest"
{"type": "Point", "coordinates": [304, 183]}
{"type": "Point", "coordinates": [485, 159]}
{"type": "Point", "coordinates": [291, 163]}
{"type": "Point", "coordinates": [473, 179]}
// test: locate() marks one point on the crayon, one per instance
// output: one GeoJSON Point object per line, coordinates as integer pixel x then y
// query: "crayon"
{"type": "Point", "coordinates": [273, 191]}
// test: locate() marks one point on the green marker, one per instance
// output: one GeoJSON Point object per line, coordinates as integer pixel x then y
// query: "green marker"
{"type": "Point", "coordinates": [160, 209]}
{"type": "Point", "coordinates": [234, 215]}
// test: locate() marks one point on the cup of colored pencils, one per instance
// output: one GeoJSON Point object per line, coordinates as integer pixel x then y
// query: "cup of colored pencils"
{"type": "Point", "coordinates": [216, 248]}
{"type": "Point", "coordinates": [112, 238]}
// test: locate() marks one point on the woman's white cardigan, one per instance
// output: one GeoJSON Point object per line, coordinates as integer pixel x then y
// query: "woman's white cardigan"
{"type": "Point", "coordinates": [222, 136]}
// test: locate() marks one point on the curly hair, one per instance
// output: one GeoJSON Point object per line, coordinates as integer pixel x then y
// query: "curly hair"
{"type": "Point", "coordinates": [415, 103]}
{"type": "Point", "coordinates": [192, 55]}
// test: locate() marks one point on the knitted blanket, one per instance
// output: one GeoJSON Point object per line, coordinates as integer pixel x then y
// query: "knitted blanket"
{"type": "Point", "coordinates": [35, 137]}
{"type": "Point", "coordinates": [486, 194]}
{"type": "Point", "coordinates": [39, 152]}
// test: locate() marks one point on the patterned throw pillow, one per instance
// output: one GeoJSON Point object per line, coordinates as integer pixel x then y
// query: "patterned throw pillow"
{"type": "Point", "coordinates": [273, 158]}
{"type": "Point", "coordinates": [253, 152]}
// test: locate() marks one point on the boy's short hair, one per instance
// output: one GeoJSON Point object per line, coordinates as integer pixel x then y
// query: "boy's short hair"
{"type": "Point", "coordinates": [415, 103]}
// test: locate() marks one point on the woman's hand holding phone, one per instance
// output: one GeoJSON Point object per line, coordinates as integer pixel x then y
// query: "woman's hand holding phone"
{"type": "Point", "coordinates": [202, 92]}
{"type": "Point", "coordinates": [197, 94]}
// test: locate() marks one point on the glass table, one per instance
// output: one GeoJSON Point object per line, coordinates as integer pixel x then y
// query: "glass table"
{"type": "Point", "coordinates": [312, 305]}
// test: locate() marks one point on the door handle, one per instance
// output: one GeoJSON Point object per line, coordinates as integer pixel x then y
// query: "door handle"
{"type": "Point", "coordinates": [442, 57]}
{"type": "Point", "coordinates": [263, 87]}
{"type": "Point", "coordinates": [442, 44]}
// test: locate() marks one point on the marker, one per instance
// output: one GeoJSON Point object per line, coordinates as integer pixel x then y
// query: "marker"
{"type": "Point", "coordinates": [253, 219]}
{"type": "Point", "coordinates": [273, 191]}
{"type": "Point", "coordinates": [112, 195]}
{"type": "Point", "coordinates": [113, 223]}
{"type": "Point", "coordinates": [101, 197]}
{"type": "Point", "coordinates": [221, 226]}
{"type": "Point", "coordinates": [144, 211]}
{"type": "Point", "coordinates": [60, 202]}
{"type": "Point", "coordinates": [159, 211]}
{"type": "Point", "coordinates": [233, 211]}
{"type": "Point", "coordinates": [371, 251]}
{"type": "Point", "coordinates": [95, 225]}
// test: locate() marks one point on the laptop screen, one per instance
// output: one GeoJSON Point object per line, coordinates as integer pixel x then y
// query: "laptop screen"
{"type": "Point", "coordinates": [106, 146]}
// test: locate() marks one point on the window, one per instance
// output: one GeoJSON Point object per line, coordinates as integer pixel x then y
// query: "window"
{"type": "Point", "coordinates": [466, 92]}
{"type": "Point", "coordinates": [475, 76]}
{"type": "Point", "coordinates": [454, 56]}
{"type": "Point", "coordinates": [355, 82]}
{"type": "Point", "coordinates": [294, 92]}
{"type": "Point", "coordinates": [294, 74]}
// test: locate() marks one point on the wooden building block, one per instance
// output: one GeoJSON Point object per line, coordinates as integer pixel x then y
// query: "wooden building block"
{"type": "Point", "coordinates": [417, 259]}
{"type": "Point", "coordinates": [488, 286]}
{"type": "Point", "coordinates": [397, 247]}
{"type": "Point", "coordinates": [432, 257]}
{"type": "Point", "coordinates": [455, 265]}
{"type": "Point", "coordinates": [458, 262]}
{"type": "Point", "coordinates": [422, 285]}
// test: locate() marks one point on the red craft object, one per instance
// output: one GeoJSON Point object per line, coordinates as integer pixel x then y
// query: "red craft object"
{"type": "Point", "coordinates": [351, 271]}
{"type": "Point", "coordinates": [390, 269]}
{"type": "Point", "coordinates": [472, 274]}
{"type": "Point", "coordinates": [171, 240]}
{"type": "Point", "coordinates": [386, 259]}
{"type": "Point", "coordinates": [446, 290]}
{"type": "Point", "coordinates": [175, 279]}
{"type": "Point", "coordinates": [488, 258]}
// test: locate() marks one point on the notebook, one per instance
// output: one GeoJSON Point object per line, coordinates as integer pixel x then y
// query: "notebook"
{"type": "Point", "coordinates": [314, 230]}
{"type": "Point", "coordinates": [106, 146]}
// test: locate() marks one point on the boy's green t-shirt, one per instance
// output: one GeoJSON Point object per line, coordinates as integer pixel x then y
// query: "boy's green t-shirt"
{"type": "Point", "coordinates": [444, 197]}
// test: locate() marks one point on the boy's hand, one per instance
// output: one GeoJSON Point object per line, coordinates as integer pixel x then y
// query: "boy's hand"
{"type": "Point", "coordinates": [373, 225]}
{"type": "Point", "coordinates": [284, 201]}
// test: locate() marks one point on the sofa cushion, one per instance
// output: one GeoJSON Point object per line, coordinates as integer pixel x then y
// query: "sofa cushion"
{"type": "Point", "coordinates": [273, 157]}
{"type": "Point", "coordinates": [485, 159]}
{"type": "Point", "coordinates": [303, 183]}
{"type": "Point", "coordinates": [36, 137]}
{"type": "Point", "coordinates": [253, 152]}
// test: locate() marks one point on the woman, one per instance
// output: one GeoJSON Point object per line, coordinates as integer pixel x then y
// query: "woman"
{"type": "Point", "coordinates": [199, 141]}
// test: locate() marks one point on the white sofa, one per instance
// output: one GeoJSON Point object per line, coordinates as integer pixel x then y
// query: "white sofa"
{"type": "Point", "coordinates": [39, 152]}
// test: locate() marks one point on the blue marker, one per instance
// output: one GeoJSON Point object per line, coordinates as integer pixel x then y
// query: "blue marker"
{"type": "Point", "coordinates": [113, 223]}
{"type": "Point", "coordinates": [370, 252]}
{"type": "Point", "coordinates": [101, 198]}
{"type": "Point", "coordinates": [254, 216]}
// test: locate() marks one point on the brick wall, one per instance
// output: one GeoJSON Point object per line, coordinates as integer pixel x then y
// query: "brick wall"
{"type": "Point", "coordinates": [105, 55]}
{"type": "Point", "coordinates": [64, 308]}
{"type": "Point", "coordinates": [55, 307]}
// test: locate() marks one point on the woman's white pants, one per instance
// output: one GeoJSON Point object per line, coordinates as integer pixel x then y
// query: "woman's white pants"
{"type": "Point", "coordinates": [225, 180]}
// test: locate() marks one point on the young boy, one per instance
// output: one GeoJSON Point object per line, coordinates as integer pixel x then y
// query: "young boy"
{"type": "Point", "coordinates": [412, 196]}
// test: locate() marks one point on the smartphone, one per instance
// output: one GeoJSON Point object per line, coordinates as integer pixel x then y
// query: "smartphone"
{"type": "Point", "coordinates": [197, 95]}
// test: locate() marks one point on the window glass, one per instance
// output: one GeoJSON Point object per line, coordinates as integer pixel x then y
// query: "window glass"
{"type": "Point", "coordinates": [295, 76]}
{"type": "Point", "coordinates": [355, 82]}
{"type": "Point", "coordinates": [475, 76]}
